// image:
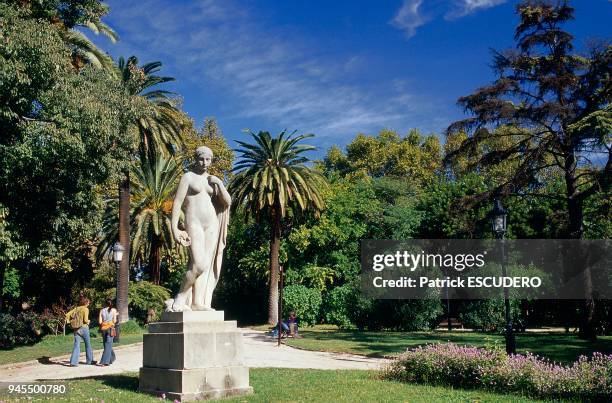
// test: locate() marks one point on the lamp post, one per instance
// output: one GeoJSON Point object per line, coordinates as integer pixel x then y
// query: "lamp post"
{"type": "Point", "coordinates": [280, 304]}
{"type": "Point", "coordinates": [118, 251]}
{"type": "Point", "coordinates": [498, 224]}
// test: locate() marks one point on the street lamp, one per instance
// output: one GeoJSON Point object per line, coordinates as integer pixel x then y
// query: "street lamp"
{"type": "Point", "coordinates": [498, 224]}
{"type": "Point", "coordinates": [499, 219]}
{"type": "Point", "coordinates": [118, 250]}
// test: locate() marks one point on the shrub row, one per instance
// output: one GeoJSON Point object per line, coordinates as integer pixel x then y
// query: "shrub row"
{"type": "Point", "coordinates": [345, 307]}
{"type": "Point", "coordinates": [28, 327]}
{"type": "Point", "coordinates": [491, 369]}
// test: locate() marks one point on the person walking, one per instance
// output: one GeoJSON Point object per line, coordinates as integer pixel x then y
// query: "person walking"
{"type": "Point", "coordinates": [79, 322]}
{"type": "Point", "coordinates": [107, 319]}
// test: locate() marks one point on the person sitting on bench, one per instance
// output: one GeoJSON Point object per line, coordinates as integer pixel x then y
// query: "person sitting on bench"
{"type": "Point", "coordinates": [289, 327]}
{"type": "Point", "coordinates": [292, 324]}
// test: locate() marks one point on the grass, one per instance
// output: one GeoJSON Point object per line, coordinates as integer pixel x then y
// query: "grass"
{"type": "Point", "coordinates": [558, 347]}
{"type": "Point", "coordinates": [291, 385]}
{"type": "Point", "coordinates": [53, 346]}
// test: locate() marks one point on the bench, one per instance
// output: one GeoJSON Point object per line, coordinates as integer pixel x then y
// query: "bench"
{"type": "Point", "coordinates": [455, 324]}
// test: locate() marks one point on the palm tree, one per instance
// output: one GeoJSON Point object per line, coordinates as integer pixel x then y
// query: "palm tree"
{"type": "Point", "coordinates": [160, 127]}
{"type": "Point", "coordinates": [271, 178]}
{"type": "Point", "coordinates": [85, 50]}
{"type": "Point", "coordinates": [151, 191]}
{"type": "Point", "coordinates": [160, 131]}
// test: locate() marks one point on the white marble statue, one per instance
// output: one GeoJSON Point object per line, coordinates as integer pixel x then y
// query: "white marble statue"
{"type": "Point", "coordinates": [205, 203]}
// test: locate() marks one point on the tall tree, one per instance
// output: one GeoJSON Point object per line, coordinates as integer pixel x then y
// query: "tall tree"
{"type": "Point", "coordinates": [63, 138]}
{"type": "Point", "coordinates": [563, 100]}
{"type": "Point", "coordinates": [159, 128]}
{"type": "Point", "coordinates": [271, 178]}
{"type": "Point", "coordinates": [414, 156]}
{"type": "Point", "coordinates": [152, 186]}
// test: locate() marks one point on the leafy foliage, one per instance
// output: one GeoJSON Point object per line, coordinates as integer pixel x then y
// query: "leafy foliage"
{"type": "Point", "coordinates": [130, 327]}
{"type": "Point", "coordinates": [271, 176]}
{"type": "Point", "coordinates": [487, 315]}
{"type": "Point", "coordinates": [304, 301]}
{"type": "Point", "coordinates": [67, 15]}
{"type": "Point", "coordinates": [559, 98]}
{"type": "Point", "coordinates": [22, 329]}
{"type": "Point", "coordinates": [413, 156]}
{"type": "Point", "coordinates": [143, 296]}
{"type": "Point", "coordinates": [63, 136]}
{"type": "Point", "coordinates": [336, 306]}
{"type": "Point", "coordinates": [153, 183]}
{"type": "Point", "coordinates": [159, 126]}
{"type": "Point", "coordinates": [211, 136]}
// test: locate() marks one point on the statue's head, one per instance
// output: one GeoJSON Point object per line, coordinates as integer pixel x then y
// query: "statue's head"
{"type": "Point", "coordinates": [203, 157]}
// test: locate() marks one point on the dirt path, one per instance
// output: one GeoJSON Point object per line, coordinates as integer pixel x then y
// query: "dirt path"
{"type": "Point", "coordinates": [260, 351]}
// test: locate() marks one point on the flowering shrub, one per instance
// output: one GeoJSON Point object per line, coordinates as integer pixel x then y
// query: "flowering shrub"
{"type": "Point", "coordinates": [491, 369]}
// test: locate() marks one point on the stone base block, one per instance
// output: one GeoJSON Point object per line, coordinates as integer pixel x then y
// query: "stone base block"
{"type": "Point", "coordinates": [193, 327]}
{"type": "Point", "coordinates": [192, 350]}
{"type": "Point", "coordinates": [193, 316]}
{"type": "Point", "coordinates": [195, 384]}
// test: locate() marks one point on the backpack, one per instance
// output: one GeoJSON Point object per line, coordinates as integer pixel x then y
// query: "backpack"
{"type": "Point", "coordinates": [76, 319]}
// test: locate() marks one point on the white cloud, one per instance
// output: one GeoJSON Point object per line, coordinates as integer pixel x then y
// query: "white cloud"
{"type": "Point", "coordinates": [408, 17]}
{"type": "Point", "coordinates": [416, 13]}
{"type": "Point", "coordinates": [466, 7]}
{"type": "Point", "coordinates": [264, 73]}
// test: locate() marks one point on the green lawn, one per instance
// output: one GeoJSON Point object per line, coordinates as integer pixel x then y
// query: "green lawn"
{"type": "Point", "coordinates": [292, 385]}
{"type": "Point", "coordinates": [53, 346]}
{"type": "Point", "coordinates": [556, 346]}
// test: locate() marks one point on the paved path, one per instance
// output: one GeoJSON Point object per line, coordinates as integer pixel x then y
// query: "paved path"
{"type": "Point", "coordinates": [260, 351]}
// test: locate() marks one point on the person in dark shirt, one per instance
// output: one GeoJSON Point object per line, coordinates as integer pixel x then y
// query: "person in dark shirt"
{"type": "Point", "coordinates": [290, 326]}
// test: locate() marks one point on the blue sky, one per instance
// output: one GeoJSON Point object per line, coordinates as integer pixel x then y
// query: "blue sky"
{"type": "Point", "coordinates": [333, 68]}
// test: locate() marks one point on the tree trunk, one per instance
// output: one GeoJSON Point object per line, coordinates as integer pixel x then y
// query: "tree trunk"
{"type": "Point", "coordinates": [575, 230]}
{"type": "Point", "coordinates": [275, 237]}
{"type": "Point", "coordinates": [123, 277]}
{"type": "Point", "coordinates": [2, 271]}
{"type": "Point", "coordinates": [155, 260]}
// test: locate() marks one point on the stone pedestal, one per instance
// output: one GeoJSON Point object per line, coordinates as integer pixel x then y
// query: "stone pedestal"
{"type": "Point", "coordinates": [194, 355]}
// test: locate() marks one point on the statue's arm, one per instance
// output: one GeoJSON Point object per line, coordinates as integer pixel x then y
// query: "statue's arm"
{"type": "Point", "coordinates": [222, 192]}
{"type": "Point", "coordinates": [177, 205]}
{"type": "Point", "coordinates": [225, 196]}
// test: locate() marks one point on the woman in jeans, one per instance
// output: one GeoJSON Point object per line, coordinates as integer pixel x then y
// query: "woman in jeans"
{"type": "Point", "coordinates": [82, 313]}
{"type": "Point", "coordinates": [107, 320]}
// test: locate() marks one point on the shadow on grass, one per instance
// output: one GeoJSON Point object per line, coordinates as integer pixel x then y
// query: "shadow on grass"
{"type": "Point", "coordinates": [127, 382]}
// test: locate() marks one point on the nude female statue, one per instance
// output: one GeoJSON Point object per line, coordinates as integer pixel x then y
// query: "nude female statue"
{"type": "Point", "coordinates": [205, 202]}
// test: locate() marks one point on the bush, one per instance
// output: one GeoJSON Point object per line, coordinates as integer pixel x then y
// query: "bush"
{"type": "Point", "coordinates": [487, 315]}
{"type": "Point", "coordinates": [130, 327]}
{"type": "Point", "coordinates": [143, 296]}
{"type": "Point", "coordinates": [24, 329]}
{"type": "Point", "coordinates": [491, 369]}
{"type": "Point", "coordinates": [336, 306]}
{"type": "Point", "coordinates": [306, 302]}
{"type": "Point", "coordinates": [406, 315]}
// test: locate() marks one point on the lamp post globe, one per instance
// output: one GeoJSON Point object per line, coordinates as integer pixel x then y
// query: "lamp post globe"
{"type": "Point", "coordinates": [118, 250]}
{"type": "Point", "coordinates": [498, 221]}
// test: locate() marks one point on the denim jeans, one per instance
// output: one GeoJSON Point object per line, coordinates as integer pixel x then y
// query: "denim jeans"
{"type": "Point", "coordinates": [82, 333]}
{"type": "Point", "coordinates": [108, 356]}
